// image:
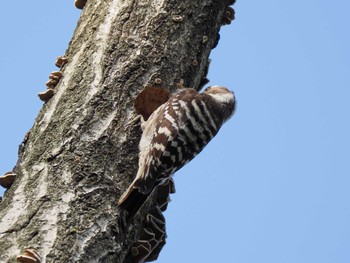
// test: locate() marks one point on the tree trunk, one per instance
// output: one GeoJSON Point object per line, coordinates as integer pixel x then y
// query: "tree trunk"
{"type": "Point", "coordinates": [82, 151]}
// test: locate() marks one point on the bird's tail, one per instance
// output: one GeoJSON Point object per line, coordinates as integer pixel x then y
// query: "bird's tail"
{"type": "Point", "coordinates": [133, 198]}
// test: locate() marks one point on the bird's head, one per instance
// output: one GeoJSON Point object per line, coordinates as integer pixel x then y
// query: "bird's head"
{"type": "Point", "coordinates": [225, 98]}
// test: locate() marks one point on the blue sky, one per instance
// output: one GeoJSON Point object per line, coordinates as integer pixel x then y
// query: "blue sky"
{"type": "Point", "coordinates": [273, 186]}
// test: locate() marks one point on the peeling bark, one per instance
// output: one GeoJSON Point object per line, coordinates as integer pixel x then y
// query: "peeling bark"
{"type": "Point", "coordinates": [82, 151]}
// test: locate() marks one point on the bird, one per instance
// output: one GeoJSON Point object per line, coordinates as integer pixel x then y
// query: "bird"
{"type": "Point", "coordinates": [173, 135]}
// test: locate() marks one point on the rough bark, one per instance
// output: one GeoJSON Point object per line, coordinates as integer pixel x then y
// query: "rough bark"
{"type": "Point", "coordinates": [82, 151]}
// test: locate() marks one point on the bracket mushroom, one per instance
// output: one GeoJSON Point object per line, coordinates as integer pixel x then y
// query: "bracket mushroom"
{"type": "Point", "coordinates": [155, 222]}
{"type": "Point", "coordinates": [80, 3]}
{"type": "Point", "coordinates": [56, 75]}
{"type": "Point", "coordinates": [29, 256]}
{"type": "Point", "coordinates": [61, 61]}
{"type": "Point", "coordinates": [51, 83]}
{"type": "Point", "coordinates": [229, 16]}
{"type": "Point", "coordinates": [141, 251]}
{"type": "Point", "coordinates": [54, 78]}
{"type": "Point", "coordinates": [7, 179]}
{"type": "Point", "coordinates": [152, 238]}
{"type": "Point", "coordinates": [46, 95]}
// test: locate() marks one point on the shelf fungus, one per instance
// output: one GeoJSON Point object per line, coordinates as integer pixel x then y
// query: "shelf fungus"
{"type": "Point", "coordinates": [205, 39]}
{"type": "Point", "coordinates": [152, 238]}
{"type": "Point", "coordinates": [229, 16]}
{"type": "Point", "coordinates": [178, 18]}
{"type": "Point", "coordinates": [46, 95]}
{"type": "Point", "coordinates": [29, 256]}
{"type": "Point", "coordinates": [158, 81]}
{"type": "Point", "coordinates": [7, 179]}
{"type": "Point", "coordinates": [51, 83]}
{"type": "Point", "coordinates": [54, 78]}
{"type": "Point", "coordinates": [80, 3]}
{"type": "Point", "coordinates": [140, 251]}
{"type": "Point", "coordinates": [61, 61]}
{"type": "Point", "coordinates": [153, 233]}
{"type": "Point", "coordinates": [56, 74]}
{"type": "Point", "coordinates": [155, 222]}
{"type": "Point", "coordinates": [180, 84]}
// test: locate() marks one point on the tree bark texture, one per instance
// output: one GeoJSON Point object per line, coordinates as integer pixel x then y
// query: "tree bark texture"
{"type": "Point", "coordinates": [82, 151]}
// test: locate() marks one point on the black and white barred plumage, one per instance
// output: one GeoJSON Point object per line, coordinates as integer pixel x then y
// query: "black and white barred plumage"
{"type": "Point", "coordinates": [175, 133]}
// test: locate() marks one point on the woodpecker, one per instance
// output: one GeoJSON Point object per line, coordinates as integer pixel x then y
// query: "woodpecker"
{"type": "Point", "coordinates": [173, 135]}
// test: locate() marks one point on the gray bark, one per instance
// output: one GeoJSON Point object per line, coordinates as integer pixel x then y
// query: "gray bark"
{"type": "Point", "coordinates": [82, 151]}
